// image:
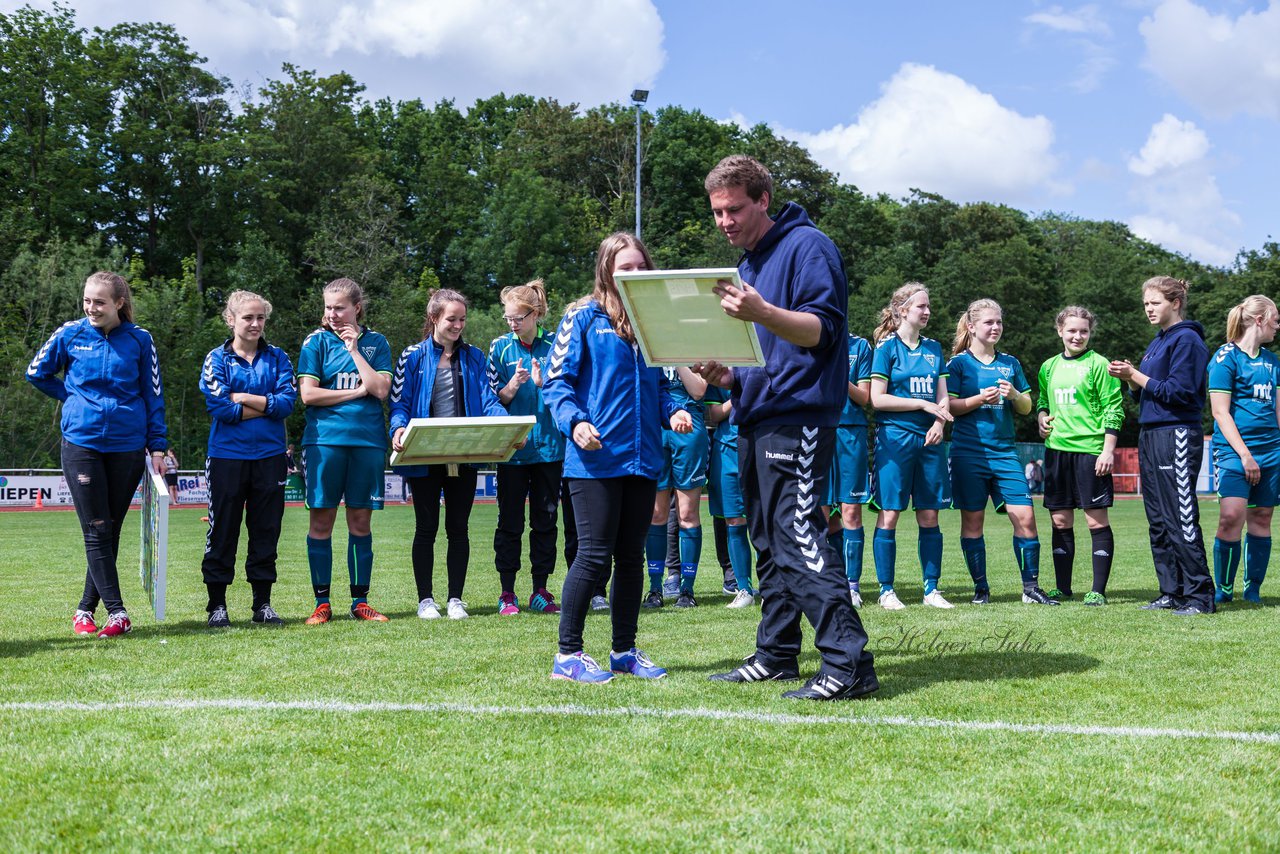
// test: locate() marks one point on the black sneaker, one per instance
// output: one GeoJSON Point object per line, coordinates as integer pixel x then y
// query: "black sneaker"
{"type": "Point", "coordinates": [730, 587]}
{"type": "Point", "coordinates": [751, 670]}
{"type": "Point", "coordinates": [1192, 609]}
{"type": "Point", "coordinates": [1160, 603]}
{"type": "Point", "coordinates": [981, 597]}
{"type": "Point", "coordinates": [686, 600]}
{"type": "Point", "coordinates": [1036, 596]}
{"type": "Point", "coordinates": [267, 616]}
{"type": "Point", "coordinates": [824, 686]}
{"type": "Point", "coordinates": [218, 618]}
{"type": "Point", "coordinates": [653, 600]}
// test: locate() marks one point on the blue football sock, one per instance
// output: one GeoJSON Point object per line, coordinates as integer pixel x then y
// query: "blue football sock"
{"type": "Point", "coordinates": [740, 555]}
{"type": "Point", "coordinates": [320, 560]}
{"type": "Point", "coordinates": [690, 554]}
{"type": "Point", "coordinates": [1257, 553]}
{"type": "Point", "coordinates": [655, 554]}
{"type": "Point", "coordinates": [930, 557]}
{"type": "Point", "coordinates": [359, 564]}
{"type": "Point", "coordinates": [853, 541]}
{"type": "Point", "coordinates": [974, 550]}
{"type": "Point", "coordinates": [1226, 561]}
{"type": "Point", "coordinates": [1026, 550]}
{"type": "Point", "coordinates": [884, 552]}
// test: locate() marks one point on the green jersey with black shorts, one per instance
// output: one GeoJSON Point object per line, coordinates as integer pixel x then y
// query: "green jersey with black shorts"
{"type": "Point", "coordinates": [1084, 400]}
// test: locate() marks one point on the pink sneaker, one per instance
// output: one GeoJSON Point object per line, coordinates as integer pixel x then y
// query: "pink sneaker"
{"type": "Point", "coordinates": [543, 601]}
{"type": "Point", "coordinates": [83, 624]}
{"type": "Point", "coordinates": [117, 625]}
{"type": "Point", "coordinates": [507, 606]}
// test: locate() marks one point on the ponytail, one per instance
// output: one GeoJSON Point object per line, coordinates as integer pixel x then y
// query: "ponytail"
{"type": "Point", "coordinates": [891, 315]}
{"type": "Point", "coordinates": [970, 316]}
{"type": "Point", "coordinates": [1243, 315]}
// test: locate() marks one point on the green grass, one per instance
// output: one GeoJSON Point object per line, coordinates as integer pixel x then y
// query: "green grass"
{"type": "Point", "coordinates": [180, 778]}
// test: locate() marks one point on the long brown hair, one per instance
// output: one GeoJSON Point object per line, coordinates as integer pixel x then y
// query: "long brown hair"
{"type": "Point", "coordinates": [119, 291]}
{"type": "Point", "coordinates": [891, 314]}
{"type": "Point", "coordinates": [352, 291]}
{"type": "Point", "coordinates": [606, 290]}
{"type": "Point", "coordinates": [970, 317]}
{"type": "Point", "coordinates": [435, 307]}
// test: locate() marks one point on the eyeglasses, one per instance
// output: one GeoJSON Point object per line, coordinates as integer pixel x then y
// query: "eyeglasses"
{"type": "Point", "coordinates": [515, 320]}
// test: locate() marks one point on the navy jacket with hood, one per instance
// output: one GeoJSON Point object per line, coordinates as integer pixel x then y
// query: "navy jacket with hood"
{"type": "Point", "coordinates": [797, 267]}
{"type": "Point", "coordinates": [112, 398]}
{"type": "Point", "coordinates": [1176, 361]}
{"type": "Point", "coordinates": [415, 379]}
{"type": "Point", "coordinates": [597, 377]}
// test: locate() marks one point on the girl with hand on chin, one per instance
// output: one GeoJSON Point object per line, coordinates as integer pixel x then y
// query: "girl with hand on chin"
{"type": "Point", "coordinates": [1079, 411]}
{"type": "Point", "coordinates": [1171, 385]}
{"type": "Point", "coordinates": [909, 393]}
{"type": "Point", "coordinates": [611, 405]}
{"type": "Point", "coordinates": [249, 390]}
{"type": "Point", "coordinates": [441, 376]}
{"type": "Point", "coordinates": [344, 374]}
{"type": "Point", "coordinates": [112, 410]}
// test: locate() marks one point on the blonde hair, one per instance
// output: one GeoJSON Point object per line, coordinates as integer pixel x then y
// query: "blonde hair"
{"type": "Point", "coordinates": [435, 307]}
{"type": "Point", "coordinates": [891, 315]}
{"type": "Point", "coordinates": [119, 291]}
{"type": "Point", "coordinates": [970, 317]}
{"type": "Point", "coordinates": [531, 295]}
{"type": "Point", "coordinates": [605, 291]}
{"type": "Point", "coordinates": [237, 301]}
{"type": "Point", "coordinates": [1241, 317]}
{"type": "Point", "coordinates": [352, 291]}
{"type": "Point", "coordinates": [1075, 311]}
{"type": "Point", "coordinates": [1174, 290]}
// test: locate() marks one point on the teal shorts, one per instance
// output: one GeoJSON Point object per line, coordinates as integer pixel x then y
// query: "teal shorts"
{"type": "Point", "coordinates": [339, 473]}
{"type": "Point", "coordinates": [850, 480]}
{"type": "Point", "coordinates": [684, 460]}
{"type": "Point", "coordinates": [725, 488]}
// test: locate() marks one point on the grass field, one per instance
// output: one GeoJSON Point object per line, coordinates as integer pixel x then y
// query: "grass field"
{"type": "Point", "coordinates": [1006, 727]}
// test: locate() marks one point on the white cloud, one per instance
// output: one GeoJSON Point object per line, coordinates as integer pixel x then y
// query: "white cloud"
{"type": "Point", "coordinates": [1182, 207]}
{"type": "Point", "coordinates": [1085, 20]}
{"type": "Point", "coordinates": [1221, 65]}
{"type": "Point", "coordinates": [573, 50]}
{"type": "Point", "coordinates": [934, 131]}
{"type": "Point", "coordinates": [1171, 143]}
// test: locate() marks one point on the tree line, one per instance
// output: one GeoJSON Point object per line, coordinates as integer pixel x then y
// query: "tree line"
{"type": "Point", "coordinates": [119, 150]}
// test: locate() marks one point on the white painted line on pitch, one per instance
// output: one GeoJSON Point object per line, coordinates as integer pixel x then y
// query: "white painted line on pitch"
{"type": "Point", "coordinates": [342, 707]}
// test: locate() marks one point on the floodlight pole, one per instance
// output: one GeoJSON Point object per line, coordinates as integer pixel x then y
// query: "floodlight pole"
{"type": "Point", "coordinates": [638, 97]}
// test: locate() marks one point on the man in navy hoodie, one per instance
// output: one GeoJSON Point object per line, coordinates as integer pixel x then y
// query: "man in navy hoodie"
{"type": "Point", "coordinates": [795, 292]}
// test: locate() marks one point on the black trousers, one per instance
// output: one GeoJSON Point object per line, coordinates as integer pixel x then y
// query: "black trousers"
{"type": "Point", "coordinates": [540, 483]}
{"type": "Point", "coordinates": [252, 490]}
{"type": "Point", "coordinates": [784, 472]}
{"type": "Point", "coordinates": [101, 485]}
{"type": "Point", "coordinates": [612, 518]}
{"type": "Point", "coordinates": [1169, 463]}
{"type": "Point", "coordinates": [459, 496]}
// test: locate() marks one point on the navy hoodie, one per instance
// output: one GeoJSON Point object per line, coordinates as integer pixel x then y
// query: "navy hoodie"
{"type": "Point", "coordinates": [797, 267]}
{"type": "Point", "coordinates": [1176, 362]}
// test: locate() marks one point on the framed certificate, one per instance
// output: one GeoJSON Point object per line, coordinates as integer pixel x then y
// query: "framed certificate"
{"type": "Point", "coordinates": [679, 321]}
{"type": "Point", "coordinates": [484, 439]}
{"type": "Point", "coordinates": [153, 554]}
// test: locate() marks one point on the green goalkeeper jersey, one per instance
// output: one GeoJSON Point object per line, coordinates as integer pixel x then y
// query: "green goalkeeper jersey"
{"type": "Point", "coordinates": [1083, 399]}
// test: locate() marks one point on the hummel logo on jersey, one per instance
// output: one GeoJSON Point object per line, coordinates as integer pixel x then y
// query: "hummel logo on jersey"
{"type": "Point", "coordinates": [608, 330]}
{"type": "Point", "coordinates": [770, 455]}
{"type": "Point", "coordinates": [80, 347]}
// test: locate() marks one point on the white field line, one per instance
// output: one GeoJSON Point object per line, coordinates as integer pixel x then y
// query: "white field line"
{"type": "Point", "coordinates": [778, 719]}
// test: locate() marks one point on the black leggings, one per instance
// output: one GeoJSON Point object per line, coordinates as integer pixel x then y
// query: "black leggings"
{"type": "Point", "coordinates": [459, 494]}
{"type": "Point", "coordinates": [101, 485]}
{"type": "Point", "coordinates": [612, 517]}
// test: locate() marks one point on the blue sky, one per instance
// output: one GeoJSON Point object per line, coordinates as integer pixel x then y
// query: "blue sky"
{"type": "Point", "coordinates": [1162, 114]}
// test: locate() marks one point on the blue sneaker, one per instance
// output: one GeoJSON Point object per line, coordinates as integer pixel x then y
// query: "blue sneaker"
{"type": "Point", "coordinates": [1252, 593]}
{"type": "Point", "coordinates": [636, 663]}
{"type": "Point", "coordinates": [578, 667]}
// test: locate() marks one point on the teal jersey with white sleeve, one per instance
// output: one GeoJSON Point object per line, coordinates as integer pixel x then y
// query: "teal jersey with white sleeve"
{"type": "Point", "coordinates": [991, 424]}
{"type": "Point", "coordinates": [684, 400]}
{"type": "Point", "coordinates": [912, 373]}
{"type": "Point", "coordinates": [859, 372]}
{"type": "Point", "coordinates": [1251, 382]}
{"type": "Point", "coordinates": [358, 423]}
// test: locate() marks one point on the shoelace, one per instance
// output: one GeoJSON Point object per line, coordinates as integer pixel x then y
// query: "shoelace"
{"type": "Point", "coordinates": [118, 619]}
{"type": "Point", "coordinates": [642, 658]}
{"type": "Point", "coordinates": [589, 663]}
{"type": "Point", "coordinates": [219, 614]}
{"type": "Point", "coordinates": [269, 613]}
